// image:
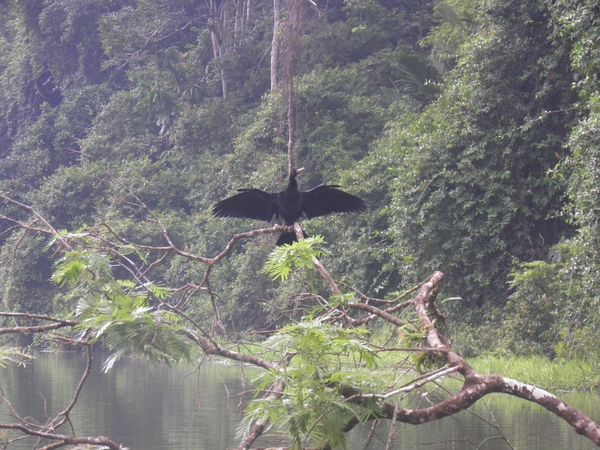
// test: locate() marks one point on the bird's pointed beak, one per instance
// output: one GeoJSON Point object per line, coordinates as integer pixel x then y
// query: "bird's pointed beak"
{"type": "Point", "coordinates": [300, 170]}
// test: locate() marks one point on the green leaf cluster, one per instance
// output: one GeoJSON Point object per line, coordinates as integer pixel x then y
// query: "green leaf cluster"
{"type": "Point", "coordinates": [300, 255]}
{"type": "Point", "coordinates": [322, 360]}
{"type": "Point", "coordinates": [13, 356]}
{"type": "Point", "coordinates": [119, 313]}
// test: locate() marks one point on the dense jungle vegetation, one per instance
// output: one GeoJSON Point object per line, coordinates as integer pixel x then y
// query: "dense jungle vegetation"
{"type": "Point", "coordinates": [470, 127]}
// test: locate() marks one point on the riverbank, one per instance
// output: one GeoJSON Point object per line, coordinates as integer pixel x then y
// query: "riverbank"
{"type": "Point", "coordinates": [542, 372]}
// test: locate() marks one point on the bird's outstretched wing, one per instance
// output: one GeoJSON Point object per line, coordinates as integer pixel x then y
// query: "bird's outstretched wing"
{"type": "Point", "coordinates": [326, 199]}
{"type": "Point", "coordinates": [250, 204]}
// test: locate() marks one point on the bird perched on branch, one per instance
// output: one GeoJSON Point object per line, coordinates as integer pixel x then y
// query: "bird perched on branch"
{"type": "Point", "coordinates": [290, 204]}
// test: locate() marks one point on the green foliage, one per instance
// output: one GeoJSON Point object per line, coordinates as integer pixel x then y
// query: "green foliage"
{"type": "Point", "coordinates": [14, 356]}
{"type": "Point", "coordinates": [534, 309]}
{"type": "Point", "coordinates": [119, 313]}
{"type": "Point", "coordinates": [558, 375]}
{"type": "Point", "coordinates": [577, 24]}
{"type": "Point", "coordinates": [418, 78]}
{"type": "Point", "coordinates": [573, 281]}
{"type": "Point", "coordinates": [553, 306]}
{"type": "Point", "coordinates": [555, 302]}
{"type": "Point", "coordinates": [300, 255]}
{"type": "Point", "coordinates": [472, 192]}
{"type": "Point", "coordinates": [25, 285]}
{"type": "Point", "coordinates": [458, 21]}
{"type": "Point", "coordinates": [553, 309]}
{"type": "Point", "coordinates": [323, 360]}
{"type": "Point", "coordinates": [469, 176]}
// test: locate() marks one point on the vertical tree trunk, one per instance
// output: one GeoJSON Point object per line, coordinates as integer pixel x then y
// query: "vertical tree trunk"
{"type": "Point", "coordinates": [218, 34]}
{"type": "Point", "coordinates": [275, 44]}
{"type": "Point", "coordinates": [248, 12]}
{"type": "Point", "coordinates": [291, 40]}
{"type": "Point", "coordinates": [291, 123]}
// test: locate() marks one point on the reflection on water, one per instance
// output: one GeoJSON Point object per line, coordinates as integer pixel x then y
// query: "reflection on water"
{"type": "Point", "coordinates": [136, 404]}
{"type": "Point", "coordinates": [147, 407]}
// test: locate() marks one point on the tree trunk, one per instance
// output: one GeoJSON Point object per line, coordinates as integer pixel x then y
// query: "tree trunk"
{"type": "Point", "coordinates": [275, 45]}
{"type": "Point", "coordinates": [218, 34]}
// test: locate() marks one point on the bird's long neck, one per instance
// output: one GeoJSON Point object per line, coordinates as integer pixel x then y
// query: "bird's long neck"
{"type": "Point", "coordinates": [292, 185]}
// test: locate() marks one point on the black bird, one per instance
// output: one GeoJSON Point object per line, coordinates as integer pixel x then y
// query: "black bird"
{"type": "Point", "coordinates": [290, 204]}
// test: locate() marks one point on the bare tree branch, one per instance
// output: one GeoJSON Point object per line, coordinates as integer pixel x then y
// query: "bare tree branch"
{"type": "Point", "coordinates": [58, 323]}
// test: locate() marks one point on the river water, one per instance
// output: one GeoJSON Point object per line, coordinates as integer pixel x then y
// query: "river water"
{"type": "Point", "coordinates": [153, 407]}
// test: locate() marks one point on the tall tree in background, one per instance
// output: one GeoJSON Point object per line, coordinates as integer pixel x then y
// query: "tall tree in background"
{"type": "Point", "coordinates": [275, 44]}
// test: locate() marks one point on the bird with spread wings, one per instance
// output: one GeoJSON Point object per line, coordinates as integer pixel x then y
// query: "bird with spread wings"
{"type": "Point", "coordinates": [289, 204]}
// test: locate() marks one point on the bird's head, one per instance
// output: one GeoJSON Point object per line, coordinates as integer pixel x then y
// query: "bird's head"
{"type": "Point", "coordinates": [296, 172]}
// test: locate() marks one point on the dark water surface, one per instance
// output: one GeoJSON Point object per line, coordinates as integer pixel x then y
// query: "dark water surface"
{"type": "Point", "coordinates": [146, 407]}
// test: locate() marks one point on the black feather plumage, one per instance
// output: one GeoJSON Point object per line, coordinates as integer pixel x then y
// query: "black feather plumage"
{"type": "Point", "coordinates": [290, 204]}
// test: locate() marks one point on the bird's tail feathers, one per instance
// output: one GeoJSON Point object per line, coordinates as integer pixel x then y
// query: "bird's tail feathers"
{"type": "Point", "coordinates": [288, 237]}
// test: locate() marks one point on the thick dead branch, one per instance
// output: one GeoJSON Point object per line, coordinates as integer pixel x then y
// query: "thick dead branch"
{"type": "Point", "coordinates": [259, 427]}
{"type": "Point", "coordinates": [378, 312]}
{"type": "Point", "coordinates": [476, 386]}
{"type": "Point", "coordinates": [210, 347]}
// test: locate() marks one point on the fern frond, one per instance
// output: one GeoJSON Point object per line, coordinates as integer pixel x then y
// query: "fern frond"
{"type": "Point", "coordinates": [283, 259]}
{"type": "Point", "coordinates": [13, 355]}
